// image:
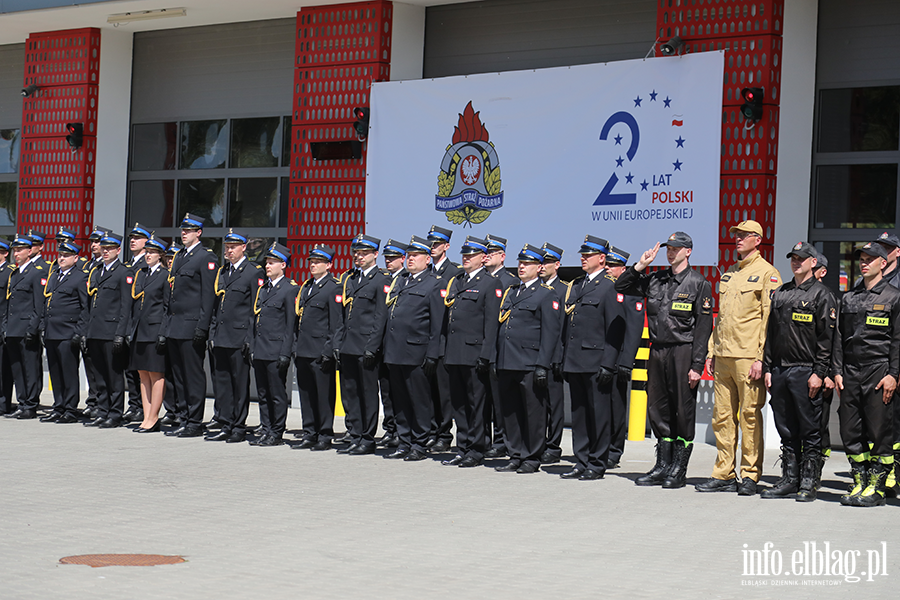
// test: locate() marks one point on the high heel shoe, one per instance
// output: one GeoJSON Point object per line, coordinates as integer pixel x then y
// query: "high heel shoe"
{"type": "Point", "coordinates": [153, 429]}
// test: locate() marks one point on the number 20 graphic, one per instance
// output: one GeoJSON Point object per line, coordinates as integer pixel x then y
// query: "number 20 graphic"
{"type": "Point", "coordinates": [606, 196]}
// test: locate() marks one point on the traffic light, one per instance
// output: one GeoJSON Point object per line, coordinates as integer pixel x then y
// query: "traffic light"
{"type": "Point", "coordinates": [76, 135]}
{"type": "Point", "coordinates": [752, 108]}
{"type": "Point", "coordinates": [362, 122]}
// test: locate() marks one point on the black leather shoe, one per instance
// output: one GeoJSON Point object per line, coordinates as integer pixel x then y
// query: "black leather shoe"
{"type": "Point", "coordinates": [527, 468]}
{"type": "Point", "coordinates": [14, 414]}
{"type": "Point", "coordinates": [213, 424]}
{"type": "Point", "coordinates": [398, 453]}
{"type": "Point", "coordinates": [549, 457]}
{"type": "Point", "coordinates": [94, 422]}
{"type": "Point", "coordinates": [747, 487]}
{"type": "Point", "coordinates": [191, 431]}
{"type": "Point", "coordinates": [415, 455]}
{"type": "Point", "coordinates": [133, 415]}
{"type": "Point", "coordinates": [169, 420]}
{"type": "Point", "coordinates": [362, 449]}
{"type": "Point", "coordinates": [67, 419]}
{"type": "Point", "coordinates": [717, 485]}
{"type": "Point", "coordinates": [152, 429]}
{"type": "Point", "coordinates": [573, 474]}
{"type": "Point", "coordinates": [348, 449]}
{"type": "Point", "coordinates": [439, 447]}
{"type": "Point", "coordinates": [322, 446]}
{"type": "Point", "coordinates": [305, 444]}
{"type": "Point", "coordinates": [110, 423]}
{"type": "Point", "coordinates": [469, 462]}
{"type": "Point", "coordinates": [590, 475]}
{"type": "Point", "coordinates": [384, 440]}
{"type": "Point", "coordinates": [344, 439]}
{"type": "Point", "coordinates": [177, 431]}
{"type": "Point", "coordinates": [431, 442]}
{"type": "Point", "coordinates": [270, 441]}
{"type": "Point", "coordinates": [51, 418]}
{"type": "Point", "coordinates": [453, 462]}
{"type": "Point", "coordinates": [498, 452]}
{"type": "Point", "coordinates": [612, 464]}
{"type": "Point", "coordinates": [394, 442]}
{"type": "Point", "coordinates": [89, 412]}
{"type": "Point", "coordinates": [221, 436]}
{"type": "Point", "coordinates": [509, 467]}
{"type": "Point", "coordinates": [27, 414]}
{"type": "Point", "coordinates": [236, 437]}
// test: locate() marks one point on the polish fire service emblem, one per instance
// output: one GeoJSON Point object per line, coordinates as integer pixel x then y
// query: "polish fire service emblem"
{"type": "Point", "coordinates": [469, 180]}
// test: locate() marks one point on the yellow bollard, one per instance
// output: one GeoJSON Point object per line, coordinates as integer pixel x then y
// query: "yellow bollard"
{"type": "Point", "coordinates": [637, 411]}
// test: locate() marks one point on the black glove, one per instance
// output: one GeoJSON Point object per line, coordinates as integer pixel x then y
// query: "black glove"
{"type": "Point", "coordinates": [282, 365]}
{"type": "Point", "coordinates": [369, 360]}
{"type": "Point", "coordinates": [605, 377]}
{"type": "Point", "coordinates": [77, 339]}
{"type": "Point", "coordinates": [326, 363]}
{"type": "Point", "coordinates": [430, 367]}
{"type": "Point", "coordinates": [337, 358]}
{"type": "Point", "coordinates": [556, 368]}
{"type": "Point", "coordinates": [31, 340]}
{"type": "Point", "coordinates": [161, 344]}
{"type": "Point", "coordinates": [210, 345]}
{"type": "Point", "coordinates": [482, 366]}
{"type": "Point", "coordinates": [84, 345]}
{"type": "Point", "coordinates": [245, 352]}
{"type": "Point", "coordinates": [624, 373]}
{"type": "Point", "coordinates": [540, 377]}
{"type": "Point", "coordinates": [200, 337]}
{"type": "Point", "coordinates": [118, 344]}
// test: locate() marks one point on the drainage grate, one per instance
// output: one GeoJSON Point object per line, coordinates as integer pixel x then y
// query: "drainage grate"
{"type": "Point", "coordinates": [121, 560]}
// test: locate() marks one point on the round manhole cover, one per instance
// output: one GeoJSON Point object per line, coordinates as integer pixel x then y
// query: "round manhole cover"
{"type": "Point", "coordinates": [121, 560]}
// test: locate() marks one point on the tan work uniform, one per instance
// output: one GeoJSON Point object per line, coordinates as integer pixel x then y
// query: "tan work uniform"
{"type": "Point", "coordinates": [738, 341]}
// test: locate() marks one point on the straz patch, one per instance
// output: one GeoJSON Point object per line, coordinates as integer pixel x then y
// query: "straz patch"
{"type": "Point", "coordinates": [620, 298]}
{"type": "Point", "coordinates": [386, 288]}
{"type": "Point", "coordinates": [801, 317]}
{"type": "Point", "coordinates": [555, 305]}
{"type": "Point", "coordinates": [685, 306]}
{"type": "Point", "coordinates": [211, 266]}
{"type": "Point", "coordinates": [444, 293]}
{"type": "Point", "coordinates": [338, 298]}
{"type": "Point", "coordinates": [129, 280]}
{"type": "Point", "coordinates": [499, 293]}
{"type": "Point", "coordinates": [878, 321]}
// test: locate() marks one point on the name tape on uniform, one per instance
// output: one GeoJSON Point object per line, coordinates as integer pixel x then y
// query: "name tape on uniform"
{"type": "Point", "coordinates": [683, 306]}
{"type": "Point", "coordinates": [803, 318]}
{"type": "Point", "coordinates": [878, 321]}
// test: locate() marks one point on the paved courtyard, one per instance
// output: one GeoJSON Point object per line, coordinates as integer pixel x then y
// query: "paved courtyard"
{"type": "Point", "coordinates": [266, 522]}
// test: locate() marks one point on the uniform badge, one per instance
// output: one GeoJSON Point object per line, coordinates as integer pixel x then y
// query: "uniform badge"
{"type": "Point", "coordinates": [444, 293]}
{"type": "Point", "coordinates": [833, 314]}
{"type": "Point", "coordinates": [753, 278]}
{"type": "Point", "coordinates": [798, 245]}
{"type": "Point", "coordinates": [386, 288]}
{"type": "Point", "coordinates": [555, 305]}
{"type": "Point", "coordinates": [620, 298]}
{"type": "Point", "coordinates": [499, 293]}
{"type": "Point", "coordinates": [259, 282]}
{"type": "Point", "coordinates": [707, 304]}
{"type": "Point", "coordinates": [773, 279]}
{"type": "Point", "coordinates": [639, 306]}
{"type": "Point", "coordinates": [43, 282]}
{"type": "Point", "coordinates": [129, 280]}
{"type": "Point", "coordinates": [211, 266]}
{"type": "Point", "coordinates": [338, 298]}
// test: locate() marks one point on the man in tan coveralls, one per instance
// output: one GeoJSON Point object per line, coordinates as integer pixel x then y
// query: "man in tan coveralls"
{"type": "Point", "coordinates": [735, 359]}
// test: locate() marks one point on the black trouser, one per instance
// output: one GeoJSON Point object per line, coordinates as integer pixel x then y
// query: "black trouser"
{"type": "Point", "coordinates": [170, 402]}
{"type": "Point", "coordinates": [556, 415]}
{"type": "Point", "coordinates": [231, 375]}
{"type": "Point", "coordinates": [671, 402]}
{"type": "Point", "coordinates": [524, 407]}
{"type": "Point", "coordinates": [271, 387]}
{"type": "Point", "coordinates": [413, 407]}
{"type": "Point", "coordinates": [591, 427]}
{"type": "Point", "coordinates": [359, 394]}
{"type": "Point", "coordinates": [865, 418]}
{"type": "Point", "coordinates": [110, 378]}
{"type": "Point", "coordinates": [62, 361]}
{"type": "Point", "coordinates": [90, 372]}
{"type": "Point", "coordinates": [495, 412]}
{"type": "Point", "coordinates": [317, 397]}
{"type": "Point", "coordinates": [6, 381]}
{"type": "Point", "coordinates": [387, 407]}
{"type": "Point", "coordinates": [188, 376]}
{"type": "Point", "coordinates": [133, 382]}
{"type": "Point", "coordinates": [442, 422]}
{"type": "Point", "coordinates": [618, 418]}
{"type": "Point", "coordinates": [27, 371]}
{"type": "Point", "coordinates": [469, 397]}
{"type": "Point", "coordinates": [827, 396]}
{"type": "Point", "coordinates": [217, 404]}
{"type": "Point", "coordinates": [798, 418]}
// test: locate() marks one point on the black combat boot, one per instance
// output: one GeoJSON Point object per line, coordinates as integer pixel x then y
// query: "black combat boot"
{"type": "Point", "coordinates": [790, 477]}
{"type": "Point", "coordinates": [657, 474]}
{"type": "Point", "coordinates": [677, 473]}
{"type": "Point", "coordinates": [873, 495]}
{"type": "Point", "coordinates": [859, 471]}
{"type": "Point", "coordinates": [810, 475]}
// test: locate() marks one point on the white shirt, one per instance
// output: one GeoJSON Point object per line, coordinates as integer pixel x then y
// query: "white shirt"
{"type": "Point", "coordinates": [274, 282]}
{"type": "Point", "coordinates": [194, 245]}
{"type": "Point", "coordinates": [109, 266]}
{"type": "Point", "coordinates": [367, 271]}
{"type": "Point", "coordinates": [438, 265]}
{"type": "Point", "coordinates": [474, 273]}
{"type": "Point", "coordinates": [238, 263]}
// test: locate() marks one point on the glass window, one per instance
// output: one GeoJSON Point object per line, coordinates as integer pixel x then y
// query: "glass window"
{"type": "Point", "coordinates": [153, 146]}
{"type": "Point", "coordinates": [843, 267]}
{"type": "Point", "coordinates": [8, 199]}
{"type": "Point", "coordinates": [285, 202]}
{"type": "Point", "coordinates": [9, 150]}
{"type": "Point", "coordinates": [856, 196]}
{"type": "Point", "coordinates": [204, 198]}
{"type": "Point", "coordinates": [152, 203]}
{"type": "Point", "coordinates": [253, 202]}
{"type": "Point", "coordinates": [256, 143]}
{"type": "Point", "coordinates": [204, 144]}
{"type": "Point", "coordinates": [859, 119]}
{"type": "Point", "coordinates": [257, 246]}
{"type": "Point", "coordinates": [286, 149]}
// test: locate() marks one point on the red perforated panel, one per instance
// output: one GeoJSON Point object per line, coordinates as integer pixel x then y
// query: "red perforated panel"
{"type": "Point", "coordinates": [46, 113]}
{"type": "Point", "coordinates": [46, 210]}
{"type": "Point", "coordinates": [329, 94]}
{"type": "Point", "coordinates": [706, 19]}
{"type": "Point", "coordinates": [68, 57]}
{"type": "Point", "coordinates": [344, 34]}
{"type": "Point", "coordinates": [753, 150]}
{"type": "Point", "coordinates": [304, 168]}
{"type": "Point", "coordinates": [49, 162]}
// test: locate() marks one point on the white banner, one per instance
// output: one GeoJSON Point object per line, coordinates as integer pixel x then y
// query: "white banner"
{"type": "Point", "coordinates": [628, 151]}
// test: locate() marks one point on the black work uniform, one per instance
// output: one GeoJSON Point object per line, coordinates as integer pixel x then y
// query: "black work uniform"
{"type": "Point", "coordinates": [231, 333]}
{"type": "Point", "coordinates": [362, 330]}
{"type": "Point", "coordinates": [866, 349]}
{"type": "Point", "coordinates": [273, 338]}
{"type": "Point", "coordinates": [495, 410]}
{"type": "Point", "coordinates": [25, 300]}
{"type": "Point", "coordinates": [556, 391]}
{"type": "Point", "coordinates": [413, 334]}
{"type": "Point", "coordinates": [319, 310]}
{"type": "Point", "coordinates": [192, 278]}
{"type": "Point", "coordinates": [442, 422]}
{"type": "Point", "coordinates": [528, 336]}
{"type": "Point", "coordinates": [470, 332]}
{"type": "Point", "coordinates": [109, 315]}
{"type": "Point", "coordinates": [592, 338]}
{"type": "Point", "coordinates": [631, 341]}
{"type": "Point", "coordinates": [6, 377]}
{"type": "Point", "coordinates": [799, 340]}
{"type": "Point", "coordinates": [65, 316]}
{"type": "Point", "coordinates": [679, 320]}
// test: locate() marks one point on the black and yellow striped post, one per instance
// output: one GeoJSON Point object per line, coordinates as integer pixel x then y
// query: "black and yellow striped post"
{"type": "Point", "coordinates": [637, 414]}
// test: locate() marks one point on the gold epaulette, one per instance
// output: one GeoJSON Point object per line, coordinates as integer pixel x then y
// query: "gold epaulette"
{"type": "Point", "coordinates": [610, 277]}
